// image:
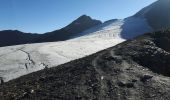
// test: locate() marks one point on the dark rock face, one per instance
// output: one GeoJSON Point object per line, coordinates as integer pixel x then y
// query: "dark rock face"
{"type": "Point", "coordinates": [137, 69]}
{"type": "Point", "coordinates": [15, 37]}
{"type": "Point", "coordinates": [163, 40]}
{"type": "Point", "coordinates": [157, 14]}
{"type": "Point", "coordinates": [83, 23]}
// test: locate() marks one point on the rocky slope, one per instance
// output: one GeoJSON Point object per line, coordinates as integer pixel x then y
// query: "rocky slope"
{"type": "Point", "coordinates": [14, 37]}
{"type": "Point", "coordinates": [137, 69]}
{"type": "Point", "coordinates": [157, 14]}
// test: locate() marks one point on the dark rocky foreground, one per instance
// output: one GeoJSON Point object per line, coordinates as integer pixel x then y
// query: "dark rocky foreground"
{"type": "Point", "coordinates": [137, 69]}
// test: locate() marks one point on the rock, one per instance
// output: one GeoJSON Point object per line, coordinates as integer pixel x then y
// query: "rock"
{"type": "Point", "coordinates": [146, 78]}
{"type": "Point", "coordinates": [127, 85]}
{"type": "Point", "coordinates": [1, 80]}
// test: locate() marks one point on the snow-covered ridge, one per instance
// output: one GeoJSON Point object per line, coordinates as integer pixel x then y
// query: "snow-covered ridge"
{"type": "Point", "coordinates": [120, 28]}
{"type": "Point", "coordinates": [100, 27]}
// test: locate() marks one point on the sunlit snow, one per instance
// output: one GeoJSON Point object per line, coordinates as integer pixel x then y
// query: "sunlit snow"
{"type": "Point", "coordinates": [16, 61]}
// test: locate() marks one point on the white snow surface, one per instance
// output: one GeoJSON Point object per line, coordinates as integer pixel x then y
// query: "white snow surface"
{"type": "Point", "coordinates": [19, 60]}
{"type": "Point", "coordinates": [121, 28]}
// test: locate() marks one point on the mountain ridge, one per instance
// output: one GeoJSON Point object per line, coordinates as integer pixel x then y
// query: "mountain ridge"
{"type": "Point", "coordinates": [15, 37]}
{"type": "Point", "coordinates": [151, 18]}
{"type": "Point", "coordinates": [157, 14]}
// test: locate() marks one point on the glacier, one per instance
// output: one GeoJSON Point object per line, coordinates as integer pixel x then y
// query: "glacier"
{"type": "Point", "coordinates": [16, 61]}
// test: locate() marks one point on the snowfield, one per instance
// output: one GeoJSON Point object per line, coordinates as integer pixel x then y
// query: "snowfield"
{"type": "Point", "coordinates": [19, 60]}
{"type": "Point", "coordinates": [16, 61]}
{"type": "Point", "coordinates": [122, 28]}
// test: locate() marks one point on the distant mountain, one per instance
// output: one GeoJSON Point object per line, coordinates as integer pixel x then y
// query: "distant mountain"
{"type": "Point", "coordinates": [137, 69]}
{"type": "Point", "coordinates": [127, 28]}
{"type": "Point", "coordinates": [14, 37]}
{"type": "Point", "coordinates": [81, 24]}
{"type": "Point", "coordinates": [151, 18]}
{"type": "Point", "coordinates": [156, 14]}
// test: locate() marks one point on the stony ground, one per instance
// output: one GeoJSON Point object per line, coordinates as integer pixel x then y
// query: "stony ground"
{"type": "Point", "coordinates": [137, 69]}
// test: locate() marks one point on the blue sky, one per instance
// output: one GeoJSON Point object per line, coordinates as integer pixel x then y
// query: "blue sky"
{"type": "Point", "coordinates": [39, 16]}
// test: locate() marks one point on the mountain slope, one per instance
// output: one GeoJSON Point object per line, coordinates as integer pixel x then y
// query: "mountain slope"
{"type": "Point", "coordinates": [81, 24]}
{"type": "Point", "coordinates": [14, 37]}
{"type": "Point", "coordinates": [19, 60]}
{"type": "Point", "coordinates": [137, 69]}
{"type": "Point", "coordinates": [9, 37]}
{"type": "Point", "coordinates": [121, 28]}
{"type": "Point", "coordinates": [151, 18]}
{"type": "Point", "coordinates": [14, 62]}
{"type": "Point", "coordinates": [157, 14]}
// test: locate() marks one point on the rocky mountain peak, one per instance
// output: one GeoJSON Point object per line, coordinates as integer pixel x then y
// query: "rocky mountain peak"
{"type": "Point", "coordinates": [83, 21]}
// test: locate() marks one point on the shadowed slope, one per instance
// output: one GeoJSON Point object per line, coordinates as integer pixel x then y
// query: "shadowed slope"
{"type": "Point", "coordinates": [157, 14]}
